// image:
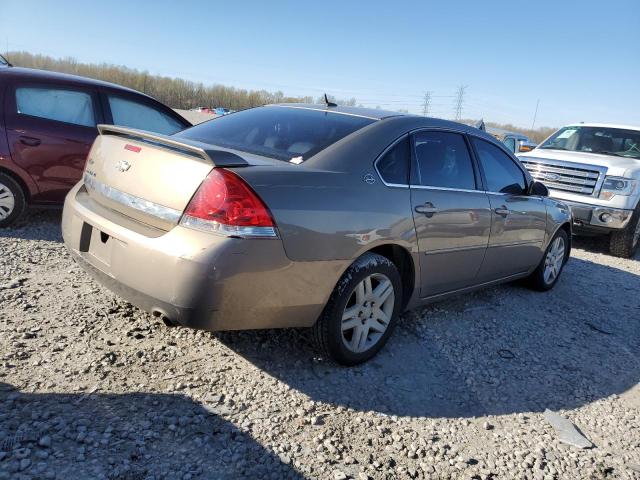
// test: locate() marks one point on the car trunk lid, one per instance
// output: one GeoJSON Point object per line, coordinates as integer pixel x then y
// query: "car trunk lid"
{"type": "Point", "coordinates": [150, 177]}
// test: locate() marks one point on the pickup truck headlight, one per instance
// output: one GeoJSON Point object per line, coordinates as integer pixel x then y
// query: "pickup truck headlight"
{"type": "Point", "coordinates": [617, 186]}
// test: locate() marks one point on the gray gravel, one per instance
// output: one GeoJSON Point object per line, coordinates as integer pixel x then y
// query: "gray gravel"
{"type": "Point", "coordinates": [90, 387]}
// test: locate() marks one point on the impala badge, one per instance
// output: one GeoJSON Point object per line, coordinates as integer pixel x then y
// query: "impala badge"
{"type": "Point", "coordinates": [123, 165]}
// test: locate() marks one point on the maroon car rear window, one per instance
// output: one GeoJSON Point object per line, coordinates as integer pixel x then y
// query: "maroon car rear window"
{"type": "Point", "coordinates": [283, 133]}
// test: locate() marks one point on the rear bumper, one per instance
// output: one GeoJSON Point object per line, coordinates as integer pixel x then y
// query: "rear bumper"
{"type": "Point", "coordinates": [197, 279]}
{"type": "Point", "coordinates": [596, 218]}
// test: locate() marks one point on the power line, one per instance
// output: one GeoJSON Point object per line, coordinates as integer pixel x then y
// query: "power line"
{"type": "Point", "coordinates": [427, 104]}
{"type": "Point", "coordinates": [459, 101]}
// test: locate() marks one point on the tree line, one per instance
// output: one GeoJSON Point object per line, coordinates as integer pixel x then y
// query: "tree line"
{"type": "Point", "coordinates": [181, 93]}
{"type": "Point", "coordinates": [175, 92]}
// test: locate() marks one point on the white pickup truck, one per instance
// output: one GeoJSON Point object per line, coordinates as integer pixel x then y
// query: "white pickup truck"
{"type": "Point", "coordinates": [595, 169]}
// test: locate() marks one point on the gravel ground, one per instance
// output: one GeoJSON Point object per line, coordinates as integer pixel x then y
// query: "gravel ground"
{"type": "Point", "coordinates": [90, 387]}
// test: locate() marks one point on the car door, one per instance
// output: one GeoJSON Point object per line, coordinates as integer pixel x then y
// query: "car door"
{"type": "Point", "coordinates": [137, 111]}
{"type": "Point", "coordinates": [451, 211]}
{"type": "Point", "coordinates": [518, 221]}
{"type": "Point", "coordinates": [50, 130]}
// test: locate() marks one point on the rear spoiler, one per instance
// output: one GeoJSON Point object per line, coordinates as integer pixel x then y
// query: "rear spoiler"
{"type": "Point", "coordinates": [204, 151]}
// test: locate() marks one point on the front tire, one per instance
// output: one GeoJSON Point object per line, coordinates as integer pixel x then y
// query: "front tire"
{"type": "Point", "coordinates": [625, 243]}
{"type": "Point", "coordinates": [546, 275]}
{"type": "Point", "coordinates": [12, 200]}
{"type": "Point", "coordinates": [361, 312]}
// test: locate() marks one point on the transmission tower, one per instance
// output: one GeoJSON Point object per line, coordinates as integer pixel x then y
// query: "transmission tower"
{"type": "Point", "coordinates": [459, 101]}
{"type": "Point", "coordinates": [427, 104]}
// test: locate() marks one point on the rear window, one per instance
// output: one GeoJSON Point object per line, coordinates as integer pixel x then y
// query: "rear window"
{"type": "Point", "coordinates": [277, 132]}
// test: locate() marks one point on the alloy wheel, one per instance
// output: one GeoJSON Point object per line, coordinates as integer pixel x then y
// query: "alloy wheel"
{"type": "Point", "coordinates": [7, 201]}
{"type": "Point", "coordinates": [368, 313]}
{"type": "Point", "coordinates": [554, 260]}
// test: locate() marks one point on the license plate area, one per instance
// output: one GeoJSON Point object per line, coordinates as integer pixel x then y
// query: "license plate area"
{"type": "Point", "coordinates": [96, 243]}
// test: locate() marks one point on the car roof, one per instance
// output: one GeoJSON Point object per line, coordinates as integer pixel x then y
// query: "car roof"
{"type": "Point", "coordinates": [63, 78]}
{"type": "Point", "coordinates": [604, 125]}
{"type": "Point", "coordinates": [372, 113]}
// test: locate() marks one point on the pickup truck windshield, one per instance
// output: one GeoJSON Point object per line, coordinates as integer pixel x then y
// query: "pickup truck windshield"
{"type": "Point", "coordinates": [604, 140]}
{"type": "Point", "coordinates": [283, 133]}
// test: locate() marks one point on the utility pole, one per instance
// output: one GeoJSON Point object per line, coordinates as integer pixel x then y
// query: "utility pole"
{"type": "Point", "coordinates": [535, 114]}
{"type": "Point", "coordinates": [459, 101]}
{"type": "Point", "coordinates": [427, 104]}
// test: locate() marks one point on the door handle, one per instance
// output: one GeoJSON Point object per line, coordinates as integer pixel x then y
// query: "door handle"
{"type": "Point", "coordinates": [427, 209]}
{"type": "Point", "coordinates": [30, 141]}
{"type": "Point", "coordinates": [502, 211]}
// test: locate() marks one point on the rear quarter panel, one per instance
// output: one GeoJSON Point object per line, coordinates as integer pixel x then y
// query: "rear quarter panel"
{"type": "Point", "coordinates": [333, 215]}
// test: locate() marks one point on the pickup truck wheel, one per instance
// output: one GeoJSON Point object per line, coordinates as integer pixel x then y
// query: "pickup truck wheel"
{"type": "Point", "coordinates": [545, 276]}
{"type": "Point", "coordinates": [12, 200]}
{"type": "Point", "coordinates": [625, 242]}
{"type": "Point", "coordinates": [361, 312]}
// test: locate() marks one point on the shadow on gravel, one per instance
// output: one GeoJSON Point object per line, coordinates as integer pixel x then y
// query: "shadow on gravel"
{"type": "Point", "coordinates": [36, 225]}
{"type": "Point", "coordinates": [498, 351]}
{"type": "Point", "coordinates": [596, 244]}
{"type": "Point", "coordinates": [144, 436]}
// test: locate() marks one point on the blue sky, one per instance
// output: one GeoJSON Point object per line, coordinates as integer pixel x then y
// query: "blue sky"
{"type": "Point", "coordinates": [580, 58]}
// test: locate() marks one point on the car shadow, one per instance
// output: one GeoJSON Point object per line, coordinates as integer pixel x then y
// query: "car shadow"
{"type": "Point", "coordinates": [463, 358]}
{"type": "Point", "coordinates": [36, 224]}
{"type": "Point", "coordinates": [145, 435]}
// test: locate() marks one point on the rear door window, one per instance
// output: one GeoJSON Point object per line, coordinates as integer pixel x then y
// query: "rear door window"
{"type": "Point", "coordinates": [393, 166]}
{"type": "Point", "coordinates": [443, 160]}
{"type": "Point", "coordinates": [501, 172]}
{"type": "Point", "coordinates": [285, 133]}
{"type": "Point", "coordinates": [61, 105]}
{"type": "Point", "coordinates": [129, 113]}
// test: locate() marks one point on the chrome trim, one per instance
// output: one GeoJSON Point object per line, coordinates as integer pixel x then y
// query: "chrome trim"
{"type": "Point", "coordinates": [579, 178]}
{"type": "Point", "coordinates": [228, 230]}
{"type": "Point", "coordinates": [131, 201]}
{"type": "Point", "coordinates": [446, 189]}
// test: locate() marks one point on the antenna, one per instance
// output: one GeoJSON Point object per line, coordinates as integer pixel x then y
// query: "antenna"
{"type": "Point", "coordinates": [329, 103]}
{"type": "Point", "coordinates": [535, 114]}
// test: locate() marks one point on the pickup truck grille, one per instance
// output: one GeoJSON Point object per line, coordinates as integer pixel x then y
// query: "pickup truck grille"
{"type": "Point", "coordinates": [567, 178]}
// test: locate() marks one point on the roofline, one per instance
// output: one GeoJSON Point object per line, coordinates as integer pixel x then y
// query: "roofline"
{"type": "Point", "coordinates": [604, 125]}
{"type": "Point", "coordinates": [326, 110]}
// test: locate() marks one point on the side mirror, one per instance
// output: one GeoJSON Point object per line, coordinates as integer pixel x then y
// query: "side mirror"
{"type": "Point", "coordinates": [524, 148]}
{"type": "Point", "coordinates": [539, 189]}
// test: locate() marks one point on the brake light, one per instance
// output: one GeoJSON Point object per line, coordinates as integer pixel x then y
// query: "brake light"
{"type": "Point", "coordinates": [225, 204]}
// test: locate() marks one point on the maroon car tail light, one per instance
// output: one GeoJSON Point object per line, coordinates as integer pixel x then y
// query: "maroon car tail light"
{"type": "Point", "coordinates": [225, 204]}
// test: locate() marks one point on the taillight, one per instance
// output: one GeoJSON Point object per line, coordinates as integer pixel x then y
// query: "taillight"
{"type": "Point", "coordinates": [225, 204]}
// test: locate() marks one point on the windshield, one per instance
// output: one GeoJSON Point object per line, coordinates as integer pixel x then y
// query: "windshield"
{"type": "Point", "coordinates": [284, 133]}
{"type": "Point", "coordinates": [603, 140]}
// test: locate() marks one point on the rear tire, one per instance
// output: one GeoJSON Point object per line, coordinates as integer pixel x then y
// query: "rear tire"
{"type": "Point", "coordinates": [625, 243]}
{"type": "Point", "coordinates": [361, 312]}
{"type": "Point", "coordinates": [12, 200]}
{"type": "Point", "coordinates": [546, 275]}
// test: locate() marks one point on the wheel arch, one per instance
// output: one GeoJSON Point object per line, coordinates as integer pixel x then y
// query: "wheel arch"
{"type": "Point", "coordinates": [403, 261]}
{"type": "Point", "coordinates": [19, 180]}
{"type": "Point", "coordinates": [567, 228]}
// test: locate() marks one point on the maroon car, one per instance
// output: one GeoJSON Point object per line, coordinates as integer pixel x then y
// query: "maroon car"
{"type": "Point", "coordinates": [47, 125]}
